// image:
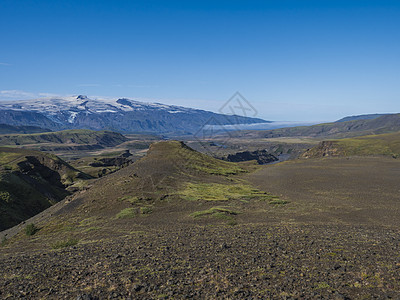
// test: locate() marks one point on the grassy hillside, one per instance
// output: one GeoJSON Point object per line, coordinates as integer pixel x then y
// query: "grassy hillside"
{"type": "Point", "coordinates": [30, 182]}
{"type": "Point", "coordinates": [66, 138]}
{"type": "Point", "coordinates": [381, 144]}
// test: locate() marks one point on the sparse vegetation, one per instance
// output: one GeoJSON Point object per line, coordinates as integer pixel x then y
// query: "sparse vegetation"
{"type": "Point", "coordinates": [215, 211]}
{"type": "Point", "coordinates": [31, 229]}
{"type": "Point", "coordinates": [222, 213]}
{"type": "Point", "coordinates": [130, 199]}
{"type": "Point", "coordinates": [322, 285]}
{"type": "Point", "coordinates": [145, 210]}
{"type": "Point", "coordinates": [67, 243]}
{"type": "Point", "coordinates": [277, 201]}
{"type": "Point", "coordinates": [222, 169]}
{"type": "Point", "coordinates": [5, 196]}
{"type": "Point", "coordinates": [70, 177]}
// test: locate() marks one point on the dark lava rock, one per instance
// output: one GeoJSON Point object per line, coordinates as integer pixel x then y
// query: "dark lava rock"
{"type": "Point", "coordinates": [261, 156]}
{"type": "Point", "coordinates": [119, 161]}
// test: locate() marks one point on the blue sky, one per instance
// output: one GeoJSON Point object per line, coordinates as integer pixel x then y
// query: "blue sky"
{"type": "Point", "coordinates": [293, 60]}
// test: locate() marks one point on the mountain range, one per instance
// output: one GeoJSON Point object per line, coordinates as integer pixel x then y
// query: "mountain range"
{"type": "Point", "coordinates": [120, 115]}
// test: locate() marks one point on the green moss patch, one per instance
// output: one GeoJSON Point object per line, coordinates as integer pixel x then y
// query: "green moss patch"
{"type": "Point", "coordinates": [222, 213]}
{"type": "Point", "coordinates": [221, 192]}
{"type": "Point", "coordinates": [130, 199]}
{"type": "Point", "coordinates": [126, 213]}
{"type": "Point", "coordinates": [145, 210]}
{"type": "Point", "coordinates": [214, 211]}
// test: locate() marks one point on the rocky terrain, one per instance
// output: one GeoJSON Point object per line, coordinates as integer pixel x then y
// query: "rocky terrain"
{"type": "Point", "coordinates": [213, 262]}
{"type": "Point", "coordinates": [261, 156]}
{"type": "Point", "coordinates": [325, 148]}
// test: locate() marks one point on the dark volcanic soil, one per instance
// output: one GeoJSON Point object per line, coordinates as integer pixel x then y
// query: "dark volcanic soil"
{"type": "Point", "coordinates": [244, 261]}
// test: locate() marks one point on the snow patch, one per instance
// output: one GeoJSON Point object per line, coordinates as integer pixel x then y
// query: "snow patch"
{"type": "Point", "coordinates": [106, 111]}
{"type": "Point", "coordinates": [175, 111]}
{"type": "Point", "coordinates": [72, 117]}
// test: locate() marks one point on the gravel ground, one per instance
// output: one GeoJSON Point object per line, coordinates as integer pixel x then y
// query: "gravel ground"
{"type": "Point", "coordinates": [218, 261]}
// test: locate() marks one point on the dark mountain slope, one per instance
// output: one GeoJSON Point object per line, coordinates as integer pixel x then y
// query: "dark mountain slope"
{"type": "Point", "coordinates": [27, 118]}
{"type": "Point", "coordinates": [30, 182]}
{"type": "Point", "coordinates": [66, 137]}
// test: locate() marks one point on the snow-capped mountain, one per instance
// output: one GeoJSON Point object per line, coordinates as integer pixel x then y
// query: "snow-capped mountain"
{"type": "Point", "coordinates": [122, 115]}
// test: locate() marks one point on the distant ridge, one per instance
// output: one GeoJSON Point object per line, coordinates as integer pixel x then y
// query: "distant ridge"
{"type": "Point", "coordinates": [384, 124]}
{"type": "Point", "coordinates": [361, 117]}
{"type": "Point", "coordinates": [8, 129]}
{"type": "Point", "coordinates": [71, 139]}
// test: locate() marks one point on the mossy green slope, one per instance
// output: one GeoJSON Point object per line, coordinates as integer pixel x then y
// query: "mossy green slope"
{"type": "Point", "coordinates": [380, 144]}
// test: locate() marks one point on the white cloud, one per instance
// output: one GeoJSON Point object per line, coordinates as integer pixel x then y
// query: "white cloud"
{"type": "Point", "coordinates": [89, 84]}
{"type": "Point", "coordinates": [22, 95]}
{"type": "Point", "coordinates": [48, 95]}
{"type": "Point", "coordinates": [16, 95]}
{"type": "Point", "coordinates": [143, 86]}
{"type": "Point", "coordinates": [4, 64]}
